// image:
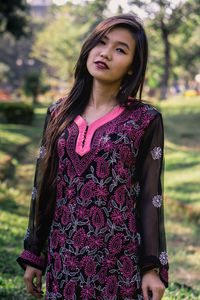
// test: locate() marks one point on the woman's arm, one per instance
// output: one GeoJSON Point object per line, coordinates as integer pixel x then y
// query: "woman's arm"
{"type": "Point", "coordinates": [34, 253]}
{"type": "Point", "coordinates": [150, 209]}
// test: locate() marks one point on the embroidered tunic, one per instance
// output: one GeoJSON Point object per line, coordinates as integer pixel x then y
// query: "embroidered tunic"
{"type": "Point", "coordinates": [107, 227]}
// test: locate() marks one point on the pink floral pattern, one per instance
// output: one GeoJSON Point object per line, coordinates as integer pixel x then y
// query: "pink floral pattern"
{"type": "Point", "coordinates": [94, 244]}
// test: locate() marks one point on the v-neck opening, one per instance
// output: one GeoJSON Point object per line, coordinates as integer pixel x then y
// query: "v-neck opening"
{"type": "Point", "coordinates": [83, 148]}
{"type": "Point", "coordinates": [106, 116]}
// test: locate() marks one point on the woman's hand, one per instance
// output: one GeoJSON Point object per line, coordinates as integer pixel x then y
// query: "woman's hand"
{"type": "Point", "coordinates": [29, 276]}
{"type": "Point", "coordinates": [151, 282]}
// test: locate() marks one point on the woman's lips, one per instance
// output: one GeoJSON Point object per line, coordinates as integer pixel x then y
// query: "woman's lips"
{"type": "Point", "coordinates": [101, 65]}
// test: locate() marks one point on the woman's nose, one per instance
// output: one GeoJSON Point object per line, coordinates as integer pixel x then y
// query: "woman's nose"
{"type": "Point", "coordinates": [106, 53]}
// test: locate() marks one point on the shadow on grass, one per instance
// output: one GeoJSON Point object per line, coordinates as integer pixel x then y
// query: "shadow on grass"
{"type": "Point", "coordinates": [8, 204]}
{"type": "Point", "coordinates": [181, 165]}
{"type": "Point", "coordinates": [185, 192]}
{"type": "Point", "coordinates": [183, 129]}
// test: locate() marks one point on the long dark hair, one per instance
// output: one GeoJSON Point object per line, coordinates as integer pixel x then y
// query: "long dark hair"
{"type": "Point", "coordinates": [77, 100]}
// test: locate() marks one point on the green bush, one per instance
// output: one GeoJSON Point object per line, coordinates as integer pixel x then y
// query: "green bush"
{"type": "Point", "coordinates": [17, 112]}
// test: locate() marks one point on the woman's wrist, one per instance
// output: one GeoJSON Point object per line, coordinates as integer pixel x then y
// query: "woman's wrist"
{"type": "Point", "coordinates": [153, 270]}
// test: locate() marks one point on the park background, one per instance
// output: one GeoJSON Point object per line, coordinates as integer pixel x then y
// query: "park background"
{"type": "Point", "coordinates": [39, 43]}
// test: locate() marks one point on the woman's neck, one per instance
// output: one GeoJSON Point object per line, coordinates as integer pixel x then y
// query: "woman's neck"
{"type": "Point", "coordinates": [103, 95]}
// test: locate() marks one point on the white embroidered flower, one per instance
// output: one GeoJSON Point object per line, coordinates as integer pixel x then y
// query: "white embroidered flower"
{"type": "Point", "coordinates": [157, 201]}
{"type": "Point", "coordinates": [156, 153]}
{"type": "Point", "coordinates": [42, 152]}
{"type": "Point", "coordinates": [34, 193]}
{"type": "Point", "coordinates": [163, 258]}
{"type": "Point", "coordinates": [105, 139]}
{"type": "Point", "coordinates": [149, 107]}
{"type": "Point", "coordinates": [27, 233]}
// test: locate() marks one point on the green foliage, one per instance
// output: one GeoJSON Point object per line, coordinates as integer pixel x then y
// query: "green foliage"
{"type": "Point", "coordinates": [173, 39]}
{"type": "Point", "coordinates": [13, 17]}
{"type": "Point", "coordinates": [58, 45]}
{"type": "Point", "coordinates": [33, 85]}
{"type": "Point", "coordinates": [17, 112]}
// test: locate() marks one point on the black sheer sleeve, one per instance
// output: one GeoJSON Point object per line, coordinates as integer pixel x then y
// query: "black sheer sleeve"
{"type": "Point", "coordinates": [35, 249]}
{"type": "Point", "coordinates": [150, 214]}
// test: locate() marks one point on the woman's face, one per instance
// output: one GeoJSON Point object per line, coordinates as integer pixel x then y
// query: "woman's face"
{"type": "Point", "coordinates": [111, 59]}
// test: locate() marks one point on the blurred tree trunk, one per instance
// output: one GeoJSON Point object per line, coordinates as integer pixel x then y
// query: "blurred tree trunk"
{"type": "Point", "coordinates": [165, 79]}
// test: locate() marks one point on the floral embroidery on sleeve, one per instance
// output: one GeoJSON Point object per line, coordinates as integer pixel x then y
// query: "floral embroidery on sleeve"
{"type": "Point", "coordinates": [163, 258]}
{"type": "Point", "coordinates": [42, 152]}
{"type": "Point", "coordinates": [34, 193]}
{"type": "Point", "coordinates": [157, 201]}
{"type": "Point", "coordinates": [156, 153]}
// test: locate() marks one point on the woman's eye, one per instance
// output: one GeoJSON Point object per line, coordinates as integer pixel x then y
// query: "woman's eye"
{"type": "Point", "coordinates": [121, 50]}
{"type": "Point", "coordinates": [102, 42]}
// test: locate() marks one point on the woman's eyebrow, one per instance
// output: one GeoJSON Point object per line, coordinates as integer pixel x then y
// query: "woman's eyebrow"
{"type": "Point", "coordinates": [118, 42]}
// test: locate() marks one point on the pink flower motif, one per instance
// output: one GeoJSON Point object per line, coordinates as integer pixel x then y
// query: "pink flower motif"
{"type": "Point", "coordinates": [61, 147]}
{"type": "Point", "coordinates": [55, 238]}
{"type": "Point", "coordinates": [63, 239]}
{"type": "Point", "coordinates": [88, 190]}
{"type": "Point", "coordinates": [109, 146]}
{"type": "Point", "coordinates": [97, 217]}
{"type": "Point", "coordinates": [130, 204]}
{"type": "Point", "coordinates": [69, 290]}
{"type": "Point", "coordinates": [131, 247]}
{"type": "Point", "coordinates": [57, 263]}
{"type": "Point", "coordinates": [119, 168]}
{"type": "Point", "coordinates": [120, 193]}
{"type": "Point", "coordinates": [102, 274]}
{"type": "Point", "coordinates": [127, 290]}
{"type": "Point", "coordinates": [79, 238]}
{"type": "Point", "coordinates": [66, 215]}
{"type": "Point", "coordinates": [102, 192]}
{"type": "Point", "coordinates": [57, 213]}
{"type": "Point", "coordinates": [109, 261]}
{"type": "Point", "coordinates": [60, 190]}
{"type": "Point", "coordinates": [124, 153]}
{"type": "Point", "coordinates": [71, 262]}
{"type": "Point", "coordinates": [95, 241]}
{"type": "Point", "coordinates": [102, 168]}
{"type": "Point", "coordinates": [55, 287]}
{"type": "Point", "coordinates": [127, 267]}
{"type": "Point", "coordinates": [87, 292]}
{"type": "Point", "coordinates": [61, 166]}
{"type": "Point", "coordinates": [90, 267]}
{"type": "Point", "coordinates": [117, 217]}
{"type": "Point", "coordinates": [132, 222]}
{"type": "Point", "coordinates": [111, 287]}
{"type": "Point", "coordinates": [70, 170]}
{"type": "Point", "coordinates": [82, 212]}
{"type": "Point", "coordinates": [115, 244]}
{"type": "Point", "coordinates": [70, 192]}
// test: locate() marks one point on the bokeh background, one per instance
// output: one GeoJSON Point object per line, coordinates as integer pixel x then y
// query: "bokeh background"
{"type": "Point", "coordinates": [40, 41]}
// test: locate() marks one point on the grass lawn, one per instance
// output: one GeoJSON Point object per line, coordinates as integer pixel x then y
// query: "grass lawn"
{"type": "Point", "coordinates": [19, 147]}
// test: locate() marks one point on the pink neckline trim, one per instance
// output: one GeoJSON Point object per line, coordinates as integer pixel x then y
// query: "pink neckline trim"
{"type": "Point", "coordinates": [82, 124]}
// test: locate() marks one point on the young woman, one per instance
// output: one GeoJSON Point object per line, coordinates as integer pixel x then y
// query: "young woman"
{"type": "Point", "coordinates": [96, 216]}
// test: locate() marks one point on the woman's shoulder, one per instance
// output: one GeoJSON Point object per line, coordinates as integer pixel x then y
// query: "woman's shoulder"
{"type": "Point", "coordinates": [54, 107]}
{"type": "Point", "coordinates": [144, 107]}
